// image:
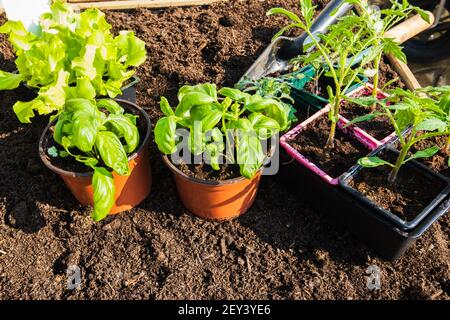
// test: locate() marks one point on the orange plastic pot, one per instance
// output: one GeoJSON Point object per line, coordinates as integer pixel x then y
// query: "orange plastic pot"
{"type": "Point", "coordinates": [130, 190]}
{"type": "Point", "coordinates": [215, 200]}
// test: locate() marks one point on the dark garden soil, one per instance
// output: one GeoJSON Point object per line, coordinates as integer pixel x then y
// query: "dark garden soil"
{"type": "Point", "coordinates": [205, 172]}
{"type": "Point", "coordinates": [406, 198]}
{"type": "Point", "coordinates": [283, 248]}
{"type": "Point", "coordinates": [379, 127]}
{"type": "Point", "coordinates": [336, 160]}
{"type": "Point", "coordinates": [439, 162]}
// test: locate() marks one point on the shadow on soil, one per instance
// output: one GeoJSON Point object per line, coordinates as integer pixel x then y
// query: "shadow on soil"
{"type": "Point", "coordinates": [302, 227]}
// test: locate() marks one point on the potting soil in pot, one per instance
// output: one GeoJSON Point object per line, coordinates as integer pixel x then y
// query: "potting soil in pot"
{"type": "Point", "coordinates": [438, 162]}
{"type": "Point", "coordinates": [379, 127]}
{"type": "Point", "coordinates": [311, 141]}
{"type": "Point", "coordinates": [204, 171]}
{"type": "Point", "coordinates": [406, 198]}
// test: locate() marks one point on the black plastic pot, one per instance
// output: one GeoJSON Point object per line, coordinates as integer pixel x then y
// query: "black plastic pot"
{"type": "Point", "coordinates": [381, 236]}
{"type": "Point", "coordinates": [129, 90]}
{"type": "Point", "coordinates": [418, 169]}
{"type": "Point", "coordinates": [388, 241]}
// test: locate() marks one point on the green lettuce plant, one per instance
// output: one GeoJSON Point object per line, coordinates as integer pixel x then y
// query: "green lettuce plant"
{"type": "Point", "coordinates": [425, 112]}
{"type": "Point", "coordinates": [101, 136]}
{"type": "Point", "coordinates": [73, 55]}
{"type": "Point", "coordinates": [212, 117]}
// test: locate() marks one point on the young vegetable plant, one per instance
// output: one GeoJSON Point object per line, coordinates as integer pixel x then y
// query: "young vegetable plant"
{"type": "Point", "coordinates": [335, 53]}
{"type": "Point", "coordinates": [72, 56]}
{"type": "Point", "coordinates": [268, 87]}
{"type": "Point", "coordinates": [216, 119]}
{"type": "Point", "coordinates": [100, 135]}
{"type": "Point", "coordinates": [379, 22]}
{"type": "Point", "coordinates": [422, 111]}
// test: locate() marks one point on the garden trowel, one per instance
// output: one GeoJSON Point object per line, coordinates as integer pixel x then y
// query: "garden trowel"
{"type": "Point", "coordinates": [277, 55]}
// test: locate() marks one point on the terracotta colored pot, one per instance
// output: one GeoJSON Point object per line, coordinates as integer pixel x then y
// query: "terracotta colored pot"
{"type": "Point", "coordinates": [130, 190]}
{"type": "Point", "coordinates": [215, 200]}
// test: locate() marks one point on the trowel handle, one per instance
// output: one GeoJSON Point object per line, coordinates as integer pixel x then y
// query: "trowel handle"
{"type": "Point", "coordinates": [409, 28]}
{"type": "Point", "coordinates": [320, 25]}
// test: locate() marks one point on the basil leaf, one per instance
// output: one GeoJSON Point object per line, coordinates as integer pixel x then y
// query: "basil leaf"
{"type": "Point", "coordinates": [250, 156]}
{"type": "Point", "coordinates": [9, 81]}
{"type": "Point", "coordinates": [124, 128]}
{"type": "Point", "coordinates": [165, 131]}
{"type": "Point", "coordinates": [112, 152]}
{"type": "Point", "coordinates": [104, 191]}
{"type": "Point", "coordinates": [112, 106]}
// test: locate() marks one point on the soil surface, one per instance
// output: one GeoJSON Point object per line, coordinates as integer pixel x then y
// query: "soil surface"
{"type": "Point", "coordinates": [438, 162]}
{"type": "Point", "coordinates": [205, 172]}
{"type": "Point", "coordinates": [406, 198]}
{"type": "Point", "coordinates": [379, 127]}
{"type": "Point", "coordinates": [336, 160]}
{"type": "Point", "coordinates": [283, 248]}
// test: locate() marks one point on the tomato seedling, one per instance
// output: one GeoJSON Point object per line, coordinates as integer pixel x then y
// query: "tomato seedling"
{"type": "Point", "coordinates": [349, 46]}
{"type": "Point", "coordinates": [379, 22]}
{"type": "Point", "coordinates": [423, 112]}
{"type": "Point", "coordinates": [75, 55]}
{"type": "Point", "coordinates": [335, 53]}
{"type": "Point", "coordinates": [100, 135]}
{"type": "Point", "coordinates": [212, 117]}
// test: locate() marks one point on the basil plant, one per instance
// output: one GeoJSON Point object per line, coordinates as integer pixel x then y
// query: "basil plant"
{"type": "Point", "coordinates": [73, 55]}
{"type": "Point", "coordinates": [100, 140]}
{"type": "Point", "coordinates": [225, 123]}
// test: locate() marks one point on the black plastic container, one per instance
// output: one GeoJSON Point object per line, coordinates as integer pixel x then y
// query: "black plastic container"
{"type": "Point", "coordinates": [419, 169]}
{"type": "Point", "coordinates": [381, 236]}
{"type": "Point", "coordinates": [129, 90]}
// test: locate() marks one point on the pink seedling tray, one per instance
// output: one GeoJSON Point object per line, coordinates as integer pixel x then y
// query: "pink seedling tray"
{"type": "Point", "coordinates": [356, 132]}
{"type": "Point", "coordinates": [366, 90]}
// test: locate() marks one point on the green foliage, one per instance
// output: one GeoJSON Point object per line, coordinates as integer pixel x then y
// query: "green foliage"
{"type": "Point", "coordinates": [101, 136]}
{"type": "Point", "coordinates": [334, 53]}
{"type": "Point", "coordinates": [425, 112]}
{"type": "Point", "coordinates": [273, 88]}
{"type": "Point", "coordinates": [210, 115]}
{"type": "Point", "coordinates": [354, 38]}
{"type": "Point", "coordinates": [74, 55]}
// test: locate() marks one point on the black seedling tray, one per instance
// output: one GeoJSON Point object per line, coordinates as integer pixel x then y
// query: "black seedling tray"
{"type": "Point", "coordinates": [396, 221]}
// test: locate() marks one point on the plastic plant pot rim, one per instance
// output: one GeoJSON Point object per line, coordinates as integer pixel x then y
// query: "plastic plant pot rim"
{"type": "Point", "coordinates": [397, 221]}
{"type": "Point", "coordinates": [46, 160]}
{"type": "Point", "coordinates": [357, 133]}
{"type": "Point", "coordinates": [183, 175]}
